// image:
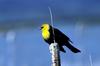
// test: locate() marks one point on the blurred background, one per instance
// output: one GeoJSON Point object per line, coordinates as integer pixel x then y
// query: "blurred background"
{"type": "Point", "coordinates": [21, 43]}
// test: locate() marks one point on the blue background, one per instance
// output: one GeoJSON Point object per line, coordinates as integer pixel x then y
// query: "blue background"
{"type": "Point", "coordinates": [21, 43]}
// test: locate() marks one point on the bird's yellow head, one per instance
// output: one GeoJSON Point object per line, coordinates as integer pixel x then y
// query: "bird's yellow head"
{"type": "Point", "coordinates": [45, 27]}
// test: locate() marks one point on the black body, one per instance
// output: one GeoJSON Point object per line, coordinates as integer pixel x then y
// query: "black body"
{"type": "Point", "coordinates": [61, 39]}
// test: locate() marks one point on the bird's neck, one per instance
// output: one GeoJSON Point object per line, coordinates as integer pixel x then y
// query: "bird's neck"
{"type": "Point", "coordinates": [46, 34]}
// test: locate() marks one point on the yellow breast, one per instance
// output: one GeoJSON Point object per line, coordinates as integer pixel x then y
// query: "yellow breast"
{"type": "Point", "coordinates": [46, 34]}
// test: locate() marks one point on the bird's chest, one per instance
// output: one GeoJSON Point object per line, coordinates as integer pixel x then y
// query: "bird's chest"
{"type": "Point", "coordinates": [46, 35]}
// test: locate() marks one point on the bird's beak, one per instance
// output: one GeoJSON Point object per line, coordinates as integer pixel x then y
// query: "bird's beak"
{"type": "Point", "coordinates": [41, 28]}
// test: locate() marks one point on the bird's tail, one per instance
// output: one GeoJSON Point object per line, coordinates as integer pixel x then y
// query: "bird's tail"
{"type": "Point", "coordinates": [72, 48]}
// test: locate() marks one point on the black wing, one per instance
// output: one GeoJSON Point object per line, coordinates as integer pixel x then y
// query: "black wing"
{"type": "Point", "coordinates": [62, 39]}
{"type": "Point", "coordinates": [61, 36]}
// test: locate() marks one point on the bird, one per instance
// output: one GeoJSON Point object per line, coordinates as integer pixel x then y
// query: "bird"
{"type": "Point", "coordinates": [50, 33]}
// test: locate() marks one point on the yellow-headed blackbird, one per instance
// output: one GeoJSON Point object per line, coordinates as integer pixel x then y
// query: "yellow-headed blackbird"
{"type": "Point", "coordinates": [61, 39]}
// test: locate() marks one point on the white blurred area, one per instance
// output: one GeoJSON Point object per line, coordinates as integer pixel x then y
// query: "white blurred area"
{"type": "Point", "coordinates": [79, 28]}
{"type": "Point", "coordinates": [10, 36]}
{"type": "Point", "coordinates": [11, 47]}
